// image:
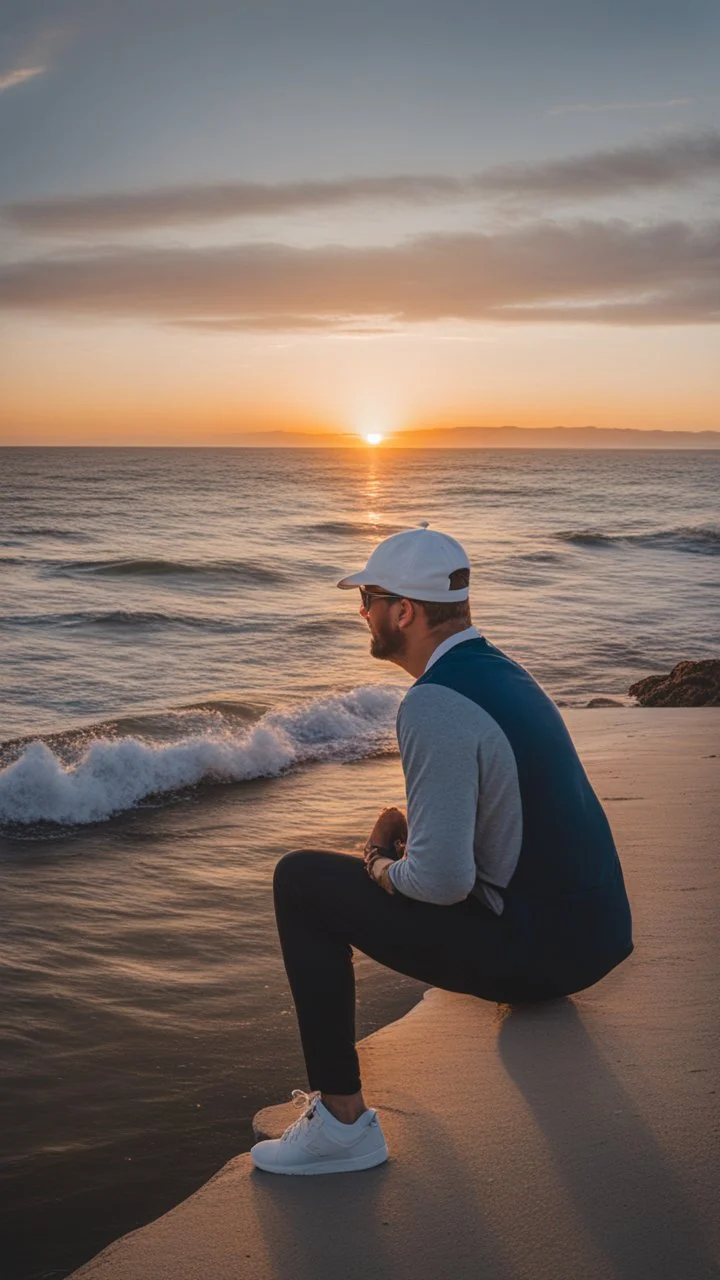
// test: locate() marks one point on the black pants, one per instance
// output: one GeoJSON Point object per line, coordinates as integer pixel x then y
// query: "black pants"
{"type": "Point", "coordinates": [325, 904]}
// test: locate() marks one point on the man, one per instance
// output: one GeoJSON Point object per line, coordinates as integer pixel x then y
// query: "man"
{"type": "Point", "coordinates": [508, 886]}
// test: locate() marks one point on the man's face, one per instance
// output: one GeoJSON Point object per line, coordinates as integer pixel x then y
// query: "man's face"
{"type": "Point", "coordinates": [387, 641]}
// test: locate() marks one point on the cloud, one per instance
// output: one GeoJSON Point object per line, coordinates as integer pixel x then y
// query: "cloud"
{"type": "Point", "coordinates": [36, 33]}
{"type": "Point", "coordinates": [667, 103]}
{"type": "Point", "coordinates": [134, 211]}
{"type": "Point", "coordinates": [606, 271]}
{"type": "Point", "coordinates": [696, 304]}
{"type": "Point", "coordinates": [338, 324]}
{"type": "Point", "coordinates": [664, 162]}
{"type": "Point", "coordinates": [11, 78]}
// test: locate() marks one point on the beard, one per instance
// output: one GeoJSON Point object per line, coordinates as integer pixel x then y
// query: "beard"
{"type": "Point", "coordinates": [387, 642]}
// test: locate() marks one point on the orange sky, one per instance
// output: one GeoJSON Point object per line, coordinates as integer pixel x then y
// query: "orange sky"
{"type": "Point", "coordinates": [120, 383]}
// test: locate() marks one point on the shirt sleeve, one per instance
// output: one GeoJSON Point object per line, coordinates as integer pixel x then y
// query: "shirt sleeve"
{"type": "Point", "coordinates": [439, 749]}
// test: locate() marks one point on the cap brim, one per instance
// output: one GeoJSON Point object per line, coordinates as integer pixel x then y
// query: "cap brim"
{"type": "Point", "coordinates": [355, 580]}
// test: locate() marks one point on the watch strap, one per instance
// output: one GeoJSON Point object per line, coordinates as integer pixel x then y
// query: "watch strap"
{"type": "Point", "coordinates": [381, 850]}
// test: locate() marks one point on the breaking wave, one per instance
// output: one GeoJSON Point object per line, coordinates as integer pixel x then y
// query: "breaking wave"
{"type": "Point", "coordinates": [111, 775]}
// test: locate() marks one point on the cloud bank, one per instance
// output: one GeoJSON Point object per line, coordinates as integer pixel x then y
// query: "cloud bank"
{"type": "Point", "coordinates": [665, 162]}
{"type": "Point", "coordinates": [603, 272]}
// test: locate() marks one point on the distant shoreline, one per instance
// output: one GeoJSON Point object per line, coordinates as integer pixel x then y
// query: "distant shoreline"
{"type": "Point", "coordinates": [680, 442]}
{"type": "Point", "coordinates": [505, 437]}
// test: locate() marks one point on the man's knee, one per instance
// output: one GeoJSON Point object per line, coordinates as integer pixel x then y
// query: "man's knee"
{"type": "Point", "coordinates": [292, 866]}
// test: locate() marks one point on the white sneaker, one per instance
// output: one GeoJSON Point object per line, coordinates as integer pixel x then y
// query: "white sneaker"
{"type": "Point", "coordinates": [319, 1143]}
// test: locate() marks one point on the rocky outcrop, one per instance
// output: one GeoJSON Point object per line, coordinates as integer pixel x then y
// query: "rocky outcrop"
{"type": "Point", "coordinates": [689, 684]}
{"type": "Point", "coordinates": [604, 702]}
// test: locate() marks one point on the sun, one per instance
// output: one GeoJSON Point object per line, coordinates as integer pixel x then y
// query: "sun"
{"type": "Point", "coordinates": [374, 438]}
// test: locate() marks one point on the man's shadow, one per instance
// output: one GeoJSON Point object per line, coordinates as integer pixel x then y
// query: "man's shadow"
{"type": "Point", "coordinates": [425, 1218]}
{"type": "Point", "coordinates": [422, 1216]}
{"type": "Point", "coordinates": [631, 1200]}
{"type": "Point", "coordinates": [435, 1217]}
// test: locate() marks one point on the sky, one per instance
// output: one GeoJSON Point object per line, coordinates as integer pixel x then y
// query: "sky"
{"type": "Point", "coordinates": [225, 217]}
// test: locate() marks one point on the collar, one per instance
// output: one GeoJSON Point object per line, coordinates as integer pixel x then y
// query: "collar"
{"type": "Point", "coordinates": [470, 633]}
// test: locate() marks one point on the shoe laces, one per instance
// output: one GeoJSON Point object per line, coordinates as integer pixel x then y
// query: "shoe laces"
{"type": "Point", "coordinates": [308, 1101]}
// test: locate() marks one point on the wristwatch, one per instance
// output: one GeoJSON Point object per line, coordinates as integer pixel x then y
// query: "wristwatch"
{"type": "Point", "coordinates": [375, 851]}
{"type": "Point", "coordinates": [382, 850]}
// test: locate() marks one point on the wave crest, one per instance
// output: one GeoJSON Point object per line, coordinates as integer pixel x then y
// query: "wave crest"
{"type": "Point", "coordinates": [115, 774]}
{"type": "Point", "coordinates": [696, 539]}
{"type": "Point", "coordinates": [45, 531]}
{"type": "Point", "coordinates": [246, 571]}
{"type": "Point", "coordinates": [119, 619]}
{"type": "Point", "coordinates": [351, 528]}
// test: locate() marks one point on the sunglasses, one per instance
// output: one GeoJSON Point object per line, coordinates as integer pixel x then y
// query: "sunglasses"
{"type": "Point", "coordinates": [367, 597]}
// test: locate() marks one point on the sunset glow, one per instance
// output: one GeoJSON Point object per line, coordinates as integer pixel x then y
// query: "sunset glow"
{"type": "Point", "coordinates": [337, 274]}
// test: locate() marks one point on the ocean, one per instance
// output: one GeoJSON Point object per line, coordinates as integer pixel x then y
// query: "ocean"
{"type": "Point", "coordinates": [186, 696]}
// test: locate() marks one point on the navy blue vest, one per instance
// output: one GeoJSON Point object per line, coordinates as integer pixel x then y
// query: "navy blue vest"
{"type": "Point", "coordinates": [567, 897]}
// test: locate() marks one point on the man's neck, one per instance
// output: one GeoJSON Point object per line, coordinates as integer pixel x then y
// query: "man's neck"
{"type": "Point", "coordinates": [416, 662]}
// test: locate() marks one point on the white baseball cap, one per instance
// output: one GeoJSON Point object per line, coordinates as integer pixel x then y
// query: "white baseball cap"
{"type": "Point", "coordinates": [417, 564]}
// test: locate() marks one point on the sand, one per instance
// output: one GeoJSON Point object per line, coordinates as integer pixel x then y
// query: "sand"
{"type": "Point", "coordinates": [576, 1139]}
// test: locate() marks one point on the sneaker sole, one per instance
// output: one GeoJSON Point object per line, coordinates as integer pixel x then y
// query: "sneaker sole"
{"type": "Point", "coordinates": [349, 1165]}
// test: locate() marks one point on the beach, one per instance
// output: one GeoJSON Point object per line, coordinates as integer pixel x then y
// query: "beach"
{"type": "Point", "coordinates": [283, 282]}
{"type": "Point", "coordinates": [187, 697]}
{"type": "Point", "coordinates": [572, 1138]}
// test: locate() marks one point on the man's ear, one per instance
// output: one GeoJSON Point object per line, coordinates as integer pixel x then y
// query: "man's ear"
{"type": "Point", "coordinates": [408, 612]}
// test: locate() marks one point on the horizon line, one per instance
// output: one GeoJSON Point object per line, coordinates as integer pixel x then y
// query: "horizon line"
{"type": "Point", "coordinates": [589, 438]}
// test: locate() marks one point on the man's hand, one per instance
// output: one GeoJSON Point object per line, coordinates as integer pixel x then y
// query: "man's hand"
{"type": "Point", "coordinates": [390, 831]}
{"type": "Point", "coordinates": [376, 867]}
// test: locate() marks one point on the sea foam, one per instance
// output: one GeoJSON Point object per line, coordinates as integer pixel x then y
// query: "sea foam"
{"type": "Point", "coordinates": [113, 775]}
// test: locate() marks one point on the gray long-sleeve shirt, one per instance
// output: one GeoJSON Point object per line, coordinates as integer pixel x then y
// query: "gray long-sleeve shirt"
{"type": "Point", "coordinates": [464, 808]}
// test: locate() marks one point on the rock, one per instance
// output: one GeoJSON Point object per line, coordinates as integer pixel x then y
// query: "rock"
{"type": "Point", "coordinates": [604, 702]}
{"type": "Point", "coordinates": [689, 684]}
